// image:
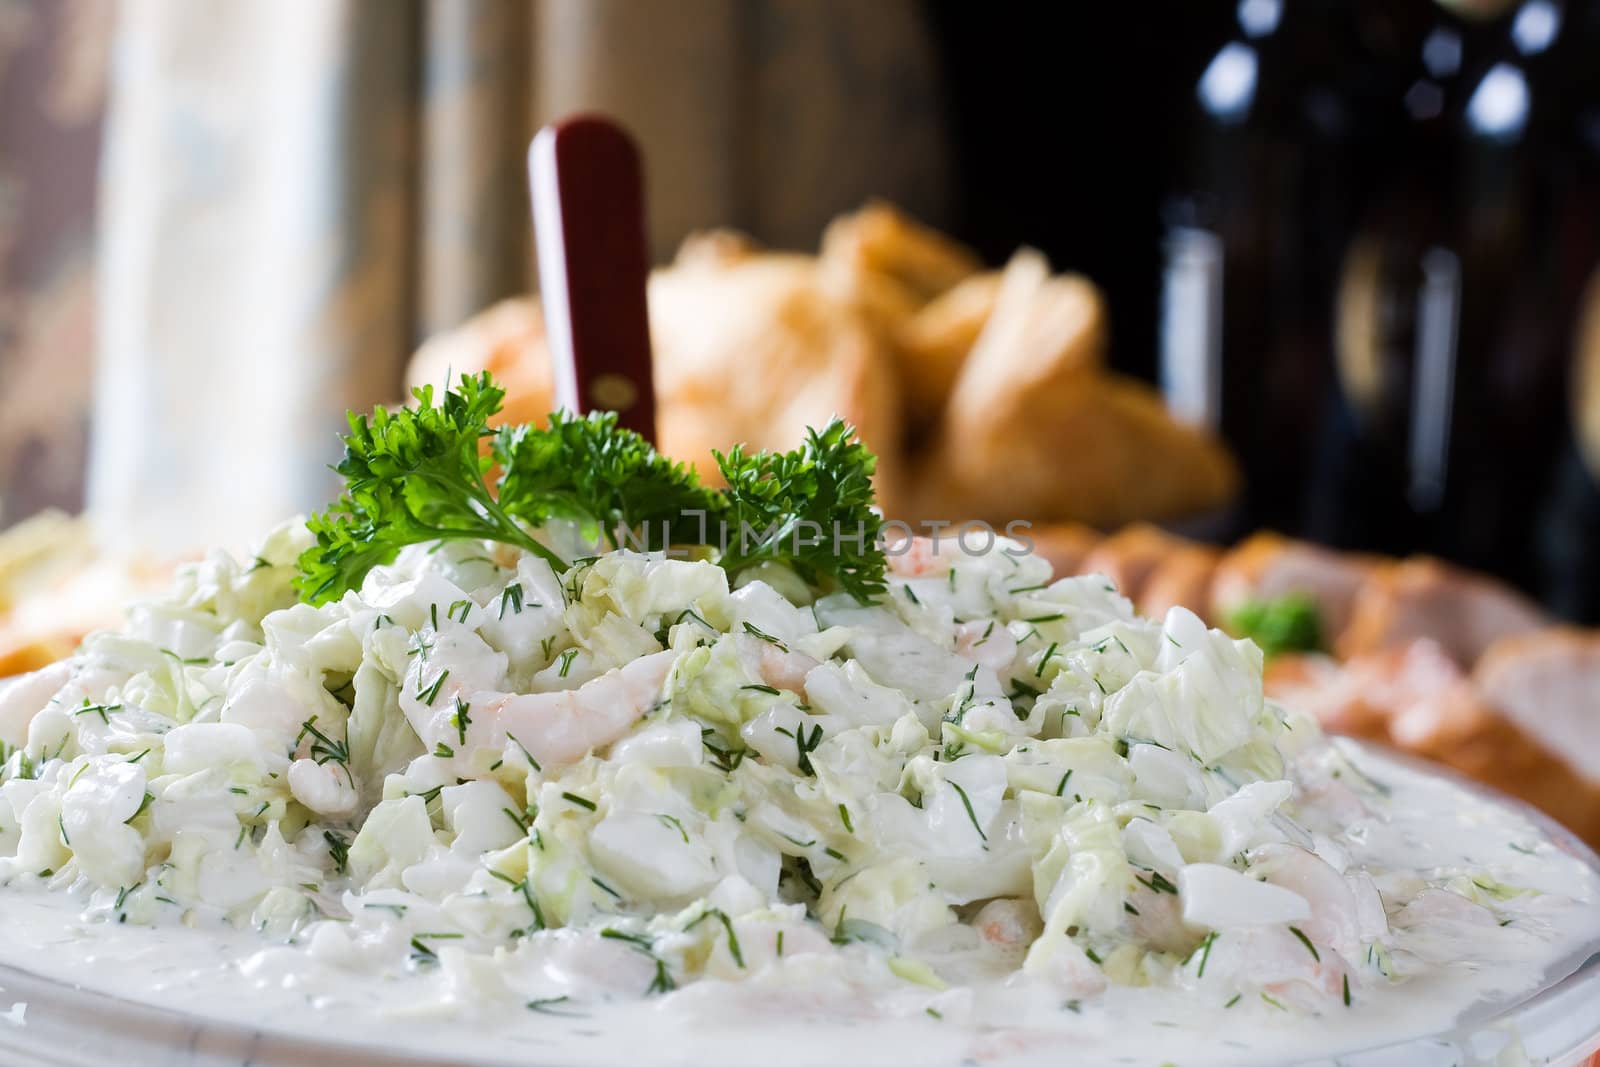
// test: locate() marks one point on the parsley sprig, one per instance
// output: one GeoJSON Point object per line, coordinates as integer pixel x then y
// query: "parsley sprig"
{"type": "Point", "coordinates": [812, 508]}
{"type": "Point", "coordinates": [588, 469]}
{"type": "Point", "coordinates": [411, 476]}
{"type": "Point", "coordinates": [1289, 623]}
{"type": "Point", "coordinates": [422, 474]}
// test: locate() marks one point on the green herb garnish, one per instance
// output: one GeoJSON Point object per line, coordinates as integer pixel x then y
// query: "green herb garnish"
{"type": "Point", "coordinates": [102, 710]}
{"type": "Point", "coordinates": [325, 749]}
{"type": "Point", "coordinates": [566, 660]}
{"type": "Point", "coordinates": [1156, 883]}
{"type": "Point", "coordinates": [1289, 623]}
{"type": "Point", "coordinates": [1306, 941]}
{"type": "Point", "coordinates": [431, 693]}
{"type": "Point", "coordinates": [967, 803]}
{"type": "Point", "coordinates": [339, 849]}
{"type": "Point", "coordinates": [544, 1004]}
{"type": "Point", "coordinates": [412, 475]}
{"type": "Point", "coordinates": [420, 474]}
{"type": "Point", "coordinates": [811, 508]}
{"type": "Point", "coordinates": [610, 480]}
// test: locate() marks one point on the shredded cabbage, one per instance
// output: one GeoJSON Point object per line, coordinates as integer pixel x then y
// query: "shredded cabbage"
{"type": "Point", "coordinates": [633, 754]}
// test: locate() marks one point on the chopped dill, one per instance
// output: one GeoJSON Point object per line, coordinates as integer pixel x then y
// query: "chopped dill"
{"type": "Point", "coordinates": [966, 802]}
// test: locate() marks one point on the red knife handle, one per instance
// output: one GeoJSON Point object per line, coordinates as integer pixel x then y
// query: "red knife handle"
{"type": "Point", "coordinates": [594, 263]}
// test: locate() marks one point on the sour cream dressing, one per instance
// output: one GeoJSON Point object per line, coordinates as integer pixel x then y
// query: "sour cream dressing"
{"type": "Point", "coordinates": [802, 1012]}
{"type": "Point", "coordinates": [485, 812]}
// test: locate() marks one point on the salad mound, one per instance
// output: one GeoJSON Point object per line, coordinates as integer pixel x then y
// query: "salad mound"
{"type": "Point", "coordinates": [615, 774]}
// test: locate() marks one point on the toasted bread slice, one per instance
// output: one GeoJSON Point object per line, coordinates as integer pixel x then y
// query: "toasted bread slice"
{"type": "Point", "coordinates": [1101, 451]}
{"type": "Point", "coordinates": [1182, 579]}
{"type": "Point", "coordinates": [1425, 598]}
{"type": "Point", "coordinates": [1548, 683]}
{"type": "Point", "coordinates": [1266, 566]}
{"type": "Point", "coordinates": [508, 341]}
{"type": "Point", "coordinates": [23, 653]}
{"type": "Point", "coordinates": [1129, 556]}
{"type": "Point", "coordinates": [1035, 429]}
{"type": "Point", "coordinates": [1043, 334]}
{"type": "Point", "coordinates": [1064, 544]}
{"type": "Point", "coordinates": [933, 343]}
{"type": "Point", "coordinates": [758, 350]}
{"type": "Point", "coordinates": [882, 241]}
{"type": "Point", "coordinates": [1416, 698]}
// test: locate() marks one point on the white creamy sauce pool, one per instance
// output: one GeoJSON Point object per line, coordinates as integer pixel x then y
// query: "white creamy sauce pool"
{"type": "Point", "coordinates": [807, 1009]}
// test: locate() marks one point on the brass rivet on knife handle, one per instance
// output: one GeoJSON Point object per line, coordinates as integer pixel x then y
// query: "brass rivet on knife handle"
{"type": "Point", "coordinates": [588, 211]}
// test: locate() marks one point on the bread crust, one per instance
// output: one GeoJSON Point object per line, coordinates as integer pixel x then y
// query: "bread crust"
{"type": "Point", "coordinates": [1425, 597]}
{"type": "Point", "coordinates": [1183, 579]}
{"type": "Point", "coordinates": [1267, 565]}
{"type": "Point", "coordinates": [1131, 555]}
{"type": "Point", "coordinates": [1102, 451]}
{"type": "Point", "coordinates": [1415, 698]}
{"type": "Point", "coordinates": [1065, 544]}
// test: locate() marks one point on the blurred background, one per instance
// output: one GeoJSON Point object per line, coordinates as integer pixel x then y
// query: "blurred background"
{"type": "Point", "coordinates": [1357, 238]}
{"type": "Point", "coordinates": [1284, 310]}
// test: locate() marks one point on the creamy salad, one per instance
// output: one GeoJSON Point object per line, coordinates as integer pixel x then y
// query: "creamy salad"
{"type": "Point", "coordinates": [986, 800]}
{"type": "Point", "coordinates": [548, 769]}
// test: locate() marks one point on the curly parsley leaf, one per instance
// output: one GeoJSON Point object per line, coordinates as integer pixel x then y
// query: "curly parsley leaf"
{"type": "Point", "coordinates": [412, 475]}
{"type": "Point", "coordinates": [420, 475]}
{"type": "Point", "coordinates": [1289, 623]}
{"type": "Point", "coordinates": [587, 469]}
{"type": "Point", "coordinates": [811, 508]}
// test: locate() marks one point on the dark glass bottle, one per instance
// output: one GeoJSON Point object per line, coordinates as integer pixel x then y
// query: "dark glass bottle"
{"type": "Point", "coordinates": [1569, 533]}
{"type": "Point", "coordinates": [1455, 298]}
{"type": "Point", "coordinates": [1254, 238]}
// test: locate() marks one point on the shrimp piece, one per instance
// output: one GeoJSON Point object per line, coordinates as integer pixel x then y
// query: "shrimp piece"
{"type": "Point", "coordinates": [23, 697]}
{"type": "Point", "coordinates": [275, 705]}
{"type": "Point", "coordinates": [1437, 922]}
{"type": "Point", "coordinates": [1069, 969]}
{"type": "Point", "coordinates": [562, 727]}
{"type": "Point", "coordinates": [1157, 920]}
{"type": "Point", "coordinates": [1008, 927]}
{"type": "Point", "coordinates": [1437, 906]}
{"type": "Point", "coordinates": [774, 664]}
{"type": "Point", "coordinates": [325, 788]}
{"type": "Point", "coordinates": [1273, 961]}
{"type": "Point", "coordinates": [1335, 919]}
{"type": "Point", "coordinates": [766, 942]}
{"type": "Point", "coordinates": [590, 965]}
{"type": "Point", "coordinates": [919, 558]}
{"type": "Point", "coordinates": [1328, 794]}
{"type": "Point", "coordinates": [988, 642]}
{"type": "Point", "coordinates": [455, 665]}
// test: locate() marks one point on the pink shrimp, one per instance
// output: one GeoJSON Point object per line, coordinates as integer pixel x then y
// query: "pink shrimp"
{"type": "Point", "coordinates": [988, 642]}
{"type": "Point", "coordinates": [774, 664]}
{"type": "Point", "coordinates": [562, 727]}
{"type": "Point", "coordinates": [920, 557]}
{"type": "Point", "coordinates": [1275, 961]}
{"type": "Point", "coordinates": [1008, 927]}
{"type": "Point", "coordinates": [1335, 920]}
